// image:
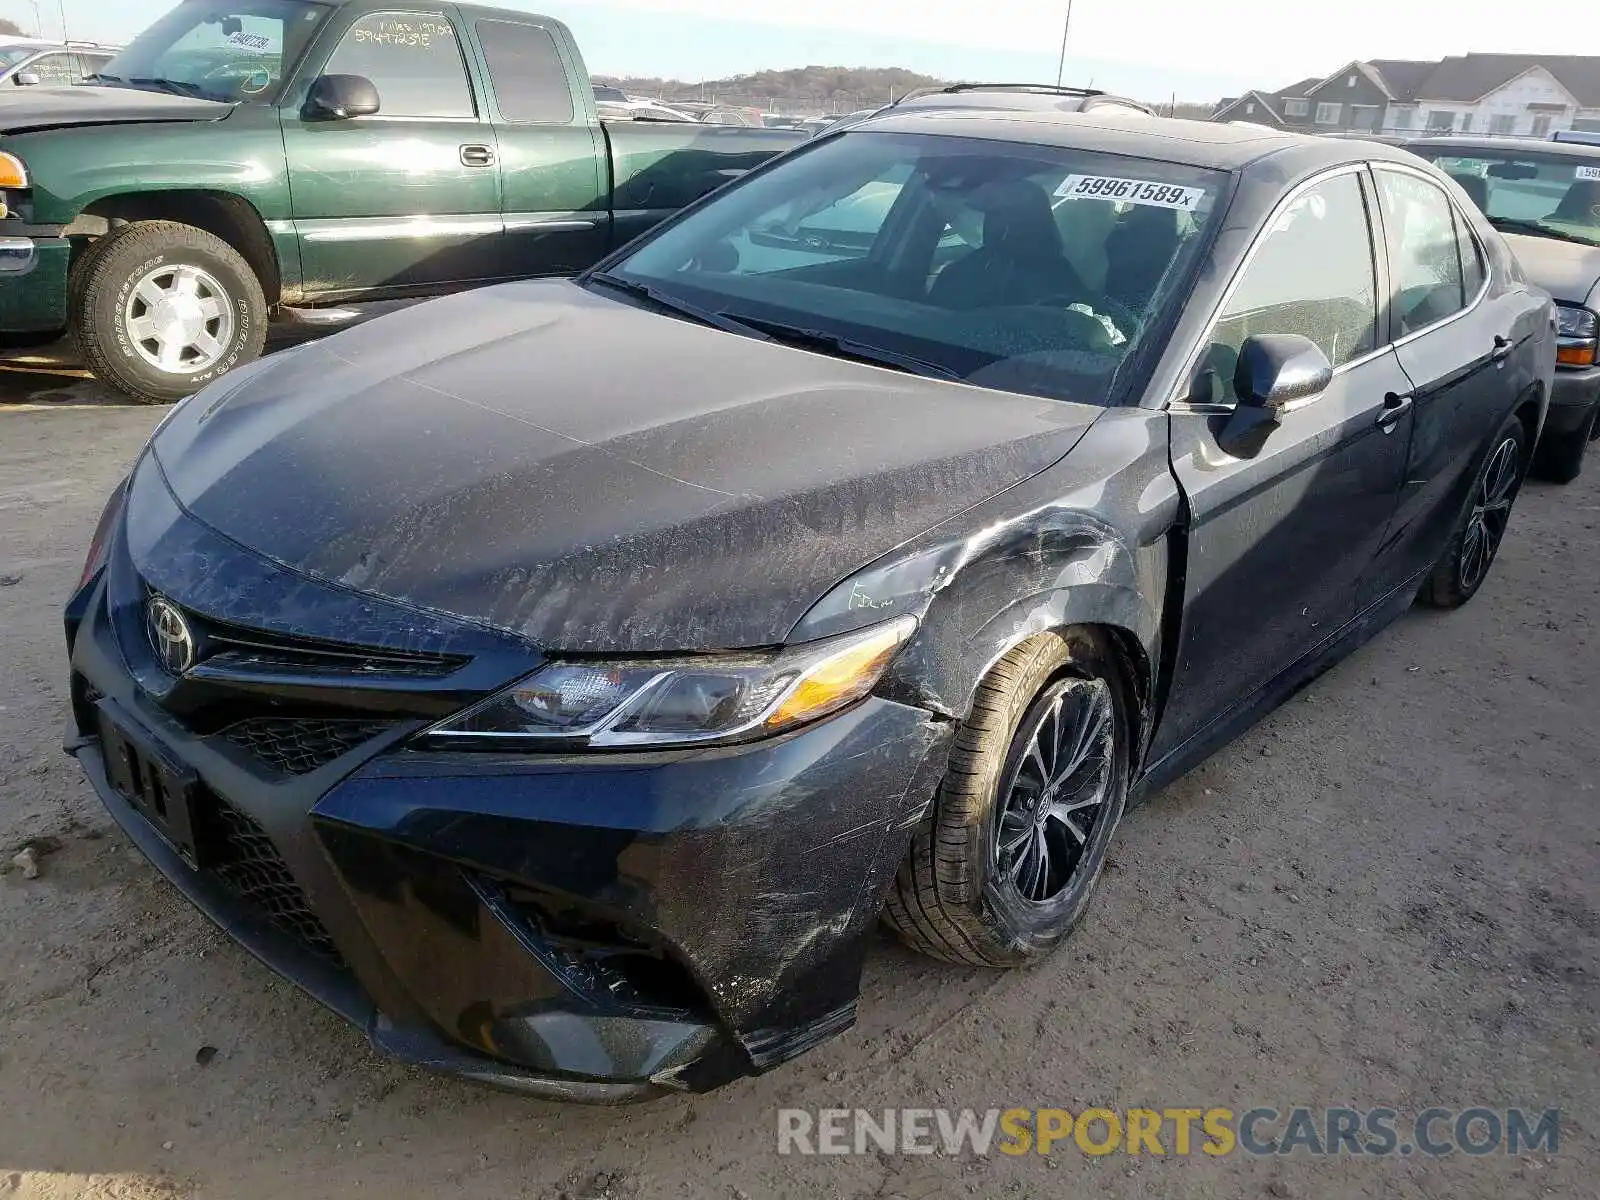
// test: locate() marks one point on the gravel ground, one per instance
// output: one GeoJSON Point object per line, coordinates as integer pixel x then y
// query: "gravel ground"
{"type": "Point", "coordinates": [1385, 894]}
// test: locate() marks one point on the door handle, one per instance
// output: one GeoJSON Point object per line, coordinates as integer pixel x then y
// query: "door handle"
{"type": "Point", "coordinates": [1395, 406]}
{"type": "Point", "coordinates": [477, 156]}
{"type": "Point", "coordinates": [1503, 346]}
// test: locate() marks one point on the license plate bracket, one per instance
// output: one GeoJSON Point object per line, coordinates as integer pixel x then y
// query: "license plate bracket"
{"type": "Point", "coordinates": [159, 787]}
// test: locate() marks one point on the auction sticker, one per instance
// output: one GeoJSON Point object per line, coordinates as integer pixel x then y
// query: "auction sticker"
{"type": "Point", "coordinates": [1133, 191]}
{"type": "Point", "coordinates": [1589, 172]}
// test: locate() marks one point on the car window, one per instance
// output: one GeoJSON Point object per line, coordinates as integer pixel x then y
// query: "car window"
{"type": "Point", "coordinates": [10, 56]}
{"type": "Point", "coordinates": [54, 69]}
{"type": "Point", "coordinates": [1311, 274]}
{"type": "Point", "coordinates": [526, 73]}
{"type": "Point", "coordinates": [1473, 270]}
{"type": "Point", "coordinates": [1423, 255]}
{"type": "Point", "coordinates": [949, 251]}
{"type": "Point", "coordinates": [412, 58]}
{"type": "Point", "coordinates": [1553, 194]}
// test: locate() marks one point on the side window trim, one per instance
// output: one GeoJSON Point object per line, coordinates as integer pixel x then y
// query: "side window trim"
{"type": "Point", "coordinates": [1179, 401]}
{"type": "Point", "coordinates": [1455, 215]}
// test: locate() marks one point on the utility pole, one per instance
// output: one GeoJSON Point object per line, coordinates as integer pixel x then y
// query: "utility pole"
{"type": "Point", "coordinates": [62, 5]}
{"type": "Point", "coordinates": [1061, 64]}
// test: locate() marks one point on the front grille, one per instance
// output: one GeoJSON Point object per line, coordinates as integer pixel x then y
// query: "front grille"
{"type": "Point", "coordinates": [251, 866]}
{"type": "Point", "coordinates": [294, 746]}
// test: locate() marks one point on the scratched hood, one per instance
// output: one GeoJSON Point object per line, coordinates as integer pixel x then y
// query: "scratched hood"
{"type": "Point", "coordinates": [80, 104]}
{"type": "Point", "coordinates": [1566, 270]}
{"type": "Point", "coordinates": [589, 475]}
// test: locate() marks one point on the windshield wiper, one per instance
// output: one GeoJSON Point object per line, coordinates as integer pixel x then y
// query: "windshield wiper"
{"type": "Point", "coordinates": [1540, 229]}
{"type": "Point", "coordinates": [844, 347]}
{"type": "Point", "coordinates": [702, 316]}
{"type": "Point", "coordinates": [175, 87]}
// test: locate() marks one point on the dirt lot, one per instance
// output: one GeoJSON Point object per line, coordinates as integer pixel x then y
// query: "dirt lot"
{"type": "Point", "coordinates": [1386, 894]}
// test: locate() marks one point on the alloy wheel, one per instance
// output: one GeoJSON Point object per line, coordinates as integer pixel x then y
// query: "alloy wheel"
{"type": "Point", "coordinates": [1491, 511]}
{"type": "Point", "coordinates": [1057, 791]}
{"type": "Point", "coordinates": [179, 319]}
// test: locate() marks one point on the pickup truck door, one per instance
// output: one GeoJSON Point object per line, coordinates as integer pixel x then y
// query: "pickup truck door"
{"type": "Point", "coordinates": [408, 199]}
{"type": "Point", "coordinates": [555, 188]}
{"type": "Point", "coordinates": [1278, 542]}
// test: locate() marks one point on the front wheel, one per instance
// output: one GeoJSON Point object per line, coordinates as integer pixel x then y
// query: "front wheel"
{"type": "Point", "coordinates": [1005, 865]}
{"type": "Point", "coordinates": [160, 309]}
{"type": "Point", "coordinates": [1465, 565]}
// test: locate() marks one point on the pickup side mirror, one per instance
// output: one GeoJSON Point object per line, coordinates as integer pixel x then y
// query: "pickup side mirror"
{"type": "Point", "coordinates": [1275, 370]}
{"type": "Point", "coordinates": [340, 97]}
{"type": "Point", "coordinates": [27, 79]}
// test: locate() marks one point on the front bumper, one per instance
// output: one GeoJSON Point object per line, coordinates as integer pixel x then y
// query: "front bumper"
{"type": "Point", "coordinates": [33, 299]}
{"type": "Point", "coordinates": [585, 927]}
{"type": "Point", "coordinates": [1572, 396]}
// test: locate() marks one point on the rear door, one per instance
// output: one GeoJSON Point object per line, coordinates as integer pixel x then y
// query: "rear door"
{"type": "Point", "coordinates": [1454, 338]}
{"type": "Point", "coordinates": [406, 199]}
{"type": "Point", "coordinates": [554, 188]}
{"type": "Point", "coordinates": [1277, 543]}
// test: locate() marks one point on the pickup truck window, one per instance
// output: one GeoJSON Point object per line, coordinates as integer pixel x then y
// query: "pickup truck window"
{"type": "Point", "coordinates": [1544, 195]}
{"type": "Point", "coordinates": [526, 73]}
{"type": "Point", "coordinates": [238, 50]}
{"type": "Point", "coordinates": [56, 69]}
{"type": "Point", "coordinates": [414, 60]}
{"type": "Point", "coordinates": [947, 252]}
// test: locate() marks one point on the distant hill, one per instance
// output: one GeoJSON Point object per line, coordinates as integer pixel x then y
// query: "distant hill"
{"type": "Point", "coordinates": [810, 90]}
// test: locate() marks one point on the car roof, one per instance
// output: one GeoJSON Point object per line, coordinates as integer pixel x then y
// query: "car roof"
{"type": "Point", "coordinates": [1522, 145]}
{"type": "Point", "coordinates": [1118, 130]}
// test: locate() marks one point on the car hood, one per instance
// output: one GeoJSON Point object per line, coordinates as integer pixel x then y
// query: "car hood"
{"type": "Point", "coordinates": [54, 107]}
{"type": "Point", "coordinates": [1566, 270]}
{"type": "Point", "coordinates": [590, 475]}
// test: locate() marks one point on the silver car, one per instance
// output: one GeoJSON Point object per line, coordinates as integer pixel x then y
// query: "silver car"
{"type": "Point", "coordinates": [30, 62]}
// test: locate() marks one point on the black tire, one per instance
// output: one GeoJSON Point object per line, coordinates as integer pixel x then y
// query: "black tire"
{"type": "Point", "coordinates": [958, 896]}
{"type": "Point", "coordinates": [1461, 571]}
{"type": "Point", "coordinates": [1560, 459]}
{"type": "Point", "coordinates": [102, 289]}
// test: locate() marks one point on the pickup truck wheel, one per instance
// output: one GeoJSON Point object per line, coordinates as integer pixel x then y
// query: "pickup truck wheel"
{"type": "Point", "coordinates": [161, 309]}
{"type": "Point", "coordinates": [1459, 574]}
{"type": "Point", "coordinates": [1004, 867]}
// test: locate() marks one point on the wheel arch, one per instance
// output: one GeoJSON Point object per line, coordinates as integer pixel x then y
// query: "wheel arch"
{"type": "Point", "coordinates": [222, 214]}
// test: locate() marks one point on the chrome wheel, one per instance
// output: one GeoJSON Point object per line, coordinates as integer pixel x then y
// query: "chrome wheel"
{"type": "Point", "coordinates": [1056, 792]}
{"type": "Point", "coordinates": [179, 319]}
{"type": "Point", "coordinates": [1491, 510]}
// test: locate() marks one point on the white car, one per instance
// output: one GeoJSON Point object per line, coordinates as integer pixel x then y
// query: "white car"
{"type": "Point", "coordinates": [26, 62]}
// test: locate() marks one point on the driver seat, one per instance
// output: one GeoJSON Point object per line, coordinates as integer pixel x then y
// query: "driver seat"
{"type": "Point", "coordinates": [1021, 259]}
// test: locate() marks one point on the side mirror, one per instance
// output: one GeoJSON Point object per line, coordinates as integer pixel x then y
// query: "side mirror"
{"type": "Point", "coordinates": [27, 79]}
{"type": "Point", "coordinates": [1275, 370]}
{"type": "Point", "coordinates": [340, 97]}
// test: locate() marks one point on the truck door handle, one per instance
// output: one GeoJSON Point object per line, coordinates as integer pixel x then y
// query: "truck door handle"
{"type": "Point", "coordinates": [1502, 348]}
{"type": "Point", "coordinates": [1395, 406]}
{"type": "Point", "coordinates": [477, 156]}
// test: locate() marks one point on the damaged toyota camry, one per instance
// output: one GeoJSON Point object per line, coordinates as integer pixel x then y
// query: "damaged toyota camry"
{"type": "Point", "coordinates": [560, 681]}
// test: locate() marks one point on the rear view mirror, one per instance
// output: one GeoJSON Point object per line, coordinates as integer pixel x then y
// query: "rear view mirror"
{"type": "Point", "coordinates": [340, 97]}
{"type": "Point", "coordinates": [1513, 170]}
{"type": "Point", "coordinates": [232, 25]}
{"type": "Point", "coordinates": [28, 79]}
{"type": "Point", "coordinates": [1274, 372]}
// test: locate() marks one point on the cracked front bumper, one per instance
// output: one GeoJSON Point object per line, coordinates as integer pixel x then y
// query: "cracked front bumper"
{"type": "Point", "coordinates": [596, 927]}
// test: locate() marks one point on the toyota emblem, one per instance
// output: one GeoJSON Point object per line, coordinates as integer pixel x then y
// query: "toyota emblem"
{"type": "Point", "coordinates": [170, 635]}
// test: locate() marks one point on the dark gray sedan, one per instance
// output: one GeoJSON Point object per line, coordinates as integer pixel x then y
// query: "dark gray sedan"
{"type": "Point", "coordinates": [559, 680]}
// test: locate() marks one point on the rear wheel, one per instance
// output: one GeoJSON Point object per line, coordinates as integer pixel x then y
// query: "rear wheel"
{"type": "Point", "coordinates": [1472, 549]}
{"type": "Point", "coordinates": [160, 309]}
{"type": "Point", "coordinates": [1004, 868]}
{"type": "Point", "coordinates": [1560, 459]}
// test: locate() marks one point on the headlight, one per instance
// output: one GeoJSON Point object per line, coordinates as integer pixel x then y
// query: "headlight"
{"type": "Point", "coordinates": [678, 702]}
{"type": "Point", "coordinates": [1576, 330]}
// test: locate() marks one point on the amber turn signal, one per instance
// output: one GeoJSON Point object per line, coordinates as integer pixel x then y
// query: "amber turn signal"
{"type": "Point", "coordinates": [1576, 356]}
{"type": "Point", "coordinates": [12, 173]}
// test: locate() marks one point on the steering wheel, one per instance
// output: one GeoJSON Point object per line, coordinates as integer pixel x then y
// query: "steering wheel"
{"type": "Point", "coordinates": [241, 73]}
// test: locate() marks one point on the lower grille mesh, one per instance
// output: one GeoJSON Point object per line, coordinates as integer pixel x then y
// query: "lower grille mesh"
{"type": "Point", "coordinates": [293, 746]}
{"type": "Point", "coordinates": [251, 866]}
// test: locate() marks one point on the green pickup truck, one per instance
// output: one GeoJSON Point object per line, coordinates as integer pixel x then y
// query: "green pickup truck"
{"type": "Point", "coordinates": [246, 158]}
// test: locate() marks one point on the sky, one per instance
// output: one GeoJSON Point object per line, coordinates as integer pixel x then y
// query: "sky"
{"type": "Point", "coordinates": [1147, 48]}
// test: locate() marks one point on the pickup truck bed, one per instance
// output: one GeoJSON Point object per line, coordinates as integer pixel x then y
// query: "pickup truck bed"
{"type": "Point", "coordinates": [329, 154]}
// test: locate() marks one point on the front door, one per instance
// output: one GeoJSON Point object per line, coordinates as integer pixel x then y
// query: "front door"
{"type": "Point", "coordinates": [408, 198]}
{"type": "Point", "coordinates": [1278, 542]}
{"type": "Point", "coordinates": [555, 188]}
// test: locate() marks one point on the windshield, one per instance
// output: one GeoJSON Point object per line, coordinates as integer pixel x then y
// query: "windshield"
{"type": "Point", "coordinates": [1543, 194]}
{"type": "Point", "coordinates": [1027, 268]}
{"type": "Point", "coordinates": [218, 49]}
{"type": "Point", "coordinates": [10, 56]}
